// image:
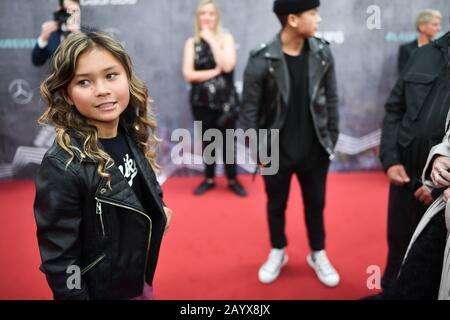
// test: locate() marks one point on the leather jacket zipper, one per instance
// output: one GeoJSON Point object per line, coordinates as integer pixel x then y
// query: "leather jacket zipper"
{"type": "Point", "coordinates": [98, 211]}
{"type": "Point", "coordinates": [140, 212]}
{"type": "Point", "coordinates": [89, 267]}
{"type": "Point", "coordinates": [330, 152]}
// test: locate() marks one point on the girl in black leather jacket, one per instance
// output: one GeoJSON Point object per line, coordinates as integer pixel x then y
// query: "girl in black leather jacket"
{"type": "Point", "coordinates": [98, 207]}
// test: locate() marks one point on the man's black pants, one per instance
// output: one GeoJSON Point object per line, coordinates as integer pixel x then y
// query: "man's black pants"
{"type": "Point", "coordinates": [313, 185]}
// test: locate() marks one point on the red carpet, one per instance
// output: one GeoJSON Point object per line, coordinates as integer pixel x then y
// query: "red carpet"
{"type": "Point", "coordinates": [217, 242]}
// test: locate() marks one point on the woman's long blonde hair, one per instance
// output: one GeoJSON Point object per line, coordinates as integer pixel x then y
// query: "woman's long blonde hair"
{"type": "Point", "coordinates": [138, 116]}
{"type": "Point", "coordinates": [217, 30]}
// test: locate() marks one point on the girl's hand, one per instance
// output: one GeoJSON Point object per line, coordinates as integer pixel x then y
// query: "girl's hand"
{"type": "Point", "coordinates": [168, 213]}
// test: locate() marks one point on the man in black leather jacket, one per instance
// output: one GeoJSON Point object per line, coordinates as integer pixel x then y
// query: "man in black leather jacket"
{"type": "Point", "coordinates": [290, 85]}
{"type": "Point", "coordinates": [414, 122]}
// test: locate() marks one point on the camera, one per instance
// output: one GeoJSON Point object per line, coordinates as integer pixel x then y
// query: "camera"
{"type": "Point", "coordinates": [61, 16]}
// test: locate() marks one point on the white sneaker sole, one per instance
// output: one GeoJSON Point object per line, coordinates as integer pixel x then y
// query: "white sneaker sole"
{"type": "Point", "coordinates": [311, 264]}
{"type": "Point", "coordinates": [286, 258]}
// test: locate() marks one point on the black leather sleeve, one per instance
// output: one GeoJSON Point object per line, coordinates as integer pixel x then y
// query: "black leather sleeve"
{"type": "Point", "coordinates": [160, 192]}
{"type": "Point", "coordinates": [332, 101]}
{"type": "Point", "coordinates": [252, 94]}
{"type": "Point", "coordinates": [58, 214]}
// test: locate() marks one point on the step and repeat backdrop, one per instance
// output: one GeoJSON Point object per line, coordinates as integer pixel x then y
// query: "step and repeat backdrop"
{"type": "Point", "coordinates": [364, 36]}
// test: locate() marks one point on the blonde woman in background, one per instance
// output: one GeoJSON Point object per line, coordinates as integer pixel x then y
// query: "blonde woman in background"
{"type": "Point", "coordinates": [208, 64]}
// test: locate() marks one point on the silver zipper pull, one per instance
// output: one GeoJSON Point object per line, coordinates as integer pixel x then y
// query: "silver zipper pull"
{"type": "Point", "coordinates": [331, 154]}
{"type": "Point", "coordinates": [98, 210]}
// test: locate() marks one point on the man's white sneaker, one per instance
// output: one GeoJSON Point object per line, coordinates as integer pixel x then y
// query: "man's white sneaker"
{"type": "Point", "coordinates": [271, 269]}
{"type": "Point", "coordinates": [323, 268]}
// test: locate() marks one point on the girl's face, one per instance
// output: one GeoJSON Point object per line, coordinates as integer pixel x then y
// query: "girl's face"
{"type": "Point", "coordinates": [207, 17]}
{"type": "Point", "coordinates": [99, 90]}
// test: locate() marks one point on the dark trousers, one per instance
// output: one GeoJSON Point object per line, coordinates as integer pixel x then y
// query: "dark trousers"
{"type": "Point", "coordinates": [209, 118]}
{"type": "Point", "coordinates": [420, 275]}
{"type": "Point", "coordinates": [313, 184]}
{"type": "Point", "coordinates": [404, 214]}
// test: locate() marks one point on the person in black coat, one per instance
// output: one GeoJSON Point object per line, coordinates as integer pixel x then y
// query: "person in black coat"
{"type": "Point", "coordinates": [416, 111]}
{"type": "Point", "coordinates": [428, 24]}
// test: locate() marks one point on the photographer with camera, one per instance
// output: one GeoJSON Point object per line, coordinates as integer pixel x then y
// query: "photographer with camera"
{"type": "Point", "coordinates": [65, 21]}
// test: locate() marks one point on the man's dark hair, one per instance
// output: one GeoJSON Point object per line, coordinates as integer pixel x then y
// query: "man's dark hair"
{"type": "Point", "coordinates": [283, 18]}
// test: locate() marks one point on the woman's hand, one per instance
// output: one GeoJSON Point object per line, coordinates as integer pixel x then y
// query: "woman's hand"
{"type": "Point", "coordinates": [168, 213]}
{"type": "Point", "coordinates": [217, 70]}
{"type": "Point", "coordinates": [224, 50]}
{"type": "Point", "coordinates": [446, 195]}
{"type": "Point", "coordinates": [207, 35]}
{"type": "Point", "coordinates": [440, 174]}
{"type": "Point", "coordinates": [190, 74]}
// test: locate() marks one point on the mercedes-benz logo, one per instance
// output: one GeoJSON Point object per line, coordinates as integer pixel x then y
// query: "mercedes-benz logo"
{"type": "Point", "coordinates": [20, 91]}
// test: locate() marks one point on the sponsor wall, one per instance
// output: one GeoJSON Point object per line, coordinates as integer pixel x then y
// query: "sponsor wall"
{"type": "Point", "coordinates": [364, 37]}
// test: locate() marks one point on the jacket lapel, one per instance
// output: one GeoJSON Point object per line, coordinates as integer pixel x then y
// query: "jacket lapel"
{"type": "Point", "coordinates": [316, 64]}
{"type": "Point", "coordinates": [144, 170]}
{"type": "Point", "coordinates": [120, 192]}
{"type": "Point", "coordinates": [276, 60]}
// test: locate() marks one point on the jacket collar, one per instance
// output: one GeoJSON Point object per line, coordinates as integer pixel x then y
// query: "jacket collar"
{"type": "Point", "coordinates": [78, 144]}
{"type": "Point", "coordinates": [317, 62]}
{"type": "Point", "coordinates": [443, 45]}
{"type": "Point", "coordinates": [443, 42]}
{"type": "Point", "coordinates": [275, 51]}
{"type": "Point", "coordinates": [120, 191]}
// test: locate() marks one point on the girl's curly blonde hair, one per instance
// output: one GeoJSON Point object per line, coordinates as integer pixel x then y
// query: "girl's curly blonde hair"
{"type": "Point", "coordinates": [138, 116]}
